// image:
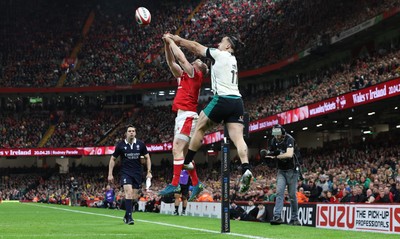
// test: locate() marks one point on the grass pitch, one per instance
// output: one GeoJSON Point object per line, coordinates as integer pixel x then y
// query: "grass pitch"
{"type": "Point", "coordinates": [33, 220]}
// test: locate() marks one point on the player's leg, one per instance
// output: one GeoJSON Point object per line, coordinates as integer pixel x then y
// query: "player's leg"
{"type": "Point", "coordinates": [191, 167]}
{"type": "Point", "coordinates": [235, 125]}
{"type": "Point", "coordinates": [184, 125]}
{"type": "Point", "coordinates": [178, 146]}
{"type": "Point", "coordinates": [197, 185]}
{"type": "Point", "coordinates": [204, 122]}
{"type": "Point", "coordinates": [236, 134]}
{"type": "Point", "coordinates": [211, 114]}
{"type": "Point", "coordinates": [196, 140]}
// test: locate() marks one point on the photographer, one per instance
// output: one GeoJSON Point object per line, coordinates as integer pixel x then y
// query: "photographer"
{"type": "Point", "coordinates": [73, 189]}
{"type": "Point", "coordinates": [281, 154]}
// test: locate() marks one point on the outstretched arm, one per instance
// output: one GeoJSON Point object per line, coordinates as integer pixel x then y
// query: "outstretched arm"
{"type": "Point", "coordinates": [289, 154]}
{"type": "Point", "coordinates": [180, 56]}
{"type": "Point", "coordinates": [173, 66]}
{"type": "Point", "coordinates": [195, 47]}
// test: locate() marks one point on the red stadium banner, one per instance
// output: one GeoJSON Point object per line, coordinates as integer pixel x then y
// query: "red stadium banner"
{"type": "Point", "coordinates": [85, 151]}
{"type": "Point", "coordinates": [107, 150]}
{"type": "Point", "coordinates": [41, 152]}
{"type": "Point", "coordinates": [364, 96]}
{"type": "Point", "coordinates": [353, 99]}
{"type": "Point", "coordinates": [349, 100]}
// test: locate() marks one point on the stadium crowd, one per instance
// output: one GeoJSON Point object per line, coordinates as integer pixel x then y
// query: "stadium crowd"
{"type": "Point", "coordinates": [112, 32]}
{"type": "Point", "coordinates": [33, 48]}
{"type": "Point", "coordinates": [279, 29]}
{"type": "Point", "coordinates": [374, 67]}
{"type": "Point", "coordinates": [85, 124]}
{"type": "Point", "coordinates": [21, 130]}
{"type": "Point", "coordinates": [129, 54]}
{"type": "Point", "coordinates": [363, 172]}
{"type": "Point", "coordinates": [367, 172]}
{"type": "Point", "coordinates": [106, 57]}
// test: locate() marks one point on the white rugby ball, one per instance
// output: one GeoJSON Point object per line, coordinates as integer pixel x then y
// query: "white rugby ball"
{"type": "Point", "coordinates": [143, 16]}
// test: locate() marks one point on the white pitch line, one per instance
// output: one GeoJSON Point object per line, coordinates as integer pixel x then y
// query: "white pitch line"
{"type": "Point", "coordinates": [69, 235]}
{"type": "Point", "coordinates": [152, 222]}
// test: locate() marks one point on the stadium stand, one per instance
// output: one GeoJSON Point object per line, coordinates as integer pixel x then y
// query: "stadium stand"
{"type": "Point", "coordinates": [115, 52]}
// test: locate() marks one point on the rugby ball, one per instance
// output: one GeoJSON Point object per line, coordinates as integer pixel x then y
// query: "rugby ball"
{"type": "Point", "coordinates": [143, 16]}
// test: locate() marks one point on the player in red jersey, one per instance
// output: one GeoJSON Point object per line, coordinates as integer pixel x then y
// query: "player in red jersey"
{"type": "Point", "coordinates": [190, 77]}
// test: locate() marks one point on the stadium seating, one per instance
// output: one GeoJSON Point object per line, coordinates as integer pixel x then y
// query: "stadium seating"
{"type": "Point", "coordinates": [115, 51]}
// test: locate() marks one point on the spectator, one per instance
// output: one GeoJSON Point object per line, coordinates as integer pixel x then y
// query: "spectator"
{"type": "Point", "coordinates": [385, 196]}
{"type": "Point", "coordinates": [347, 195]}
{"type": "Point", "coordinates": [314, 190]}
{"type": "Point", "coordinates": [301, 197]}
{"type": "Point", "coordinates": [369, 196]}
{"type": "Point", "coordinates": [236, 212]}
{"type": "Point", "coordinates": [331, 198]}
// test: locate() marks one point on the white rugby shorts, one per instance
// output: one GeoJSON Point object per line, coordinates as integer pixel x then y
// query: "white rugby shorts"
{"type": "Point", "coordinates": [185, 123]}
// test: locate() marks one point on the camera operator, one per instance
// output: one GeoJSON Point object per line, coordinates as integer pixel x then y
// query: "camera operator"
{"type": "Point", "coordinates": [281, 153]}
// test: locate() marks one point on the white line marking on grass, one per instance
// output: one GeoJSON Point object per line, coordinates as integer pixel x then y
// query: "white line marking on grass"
{"type": "Point", "coordinates": [152, 222]}
{"type": "Point", "coordinates": [69, 235]}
